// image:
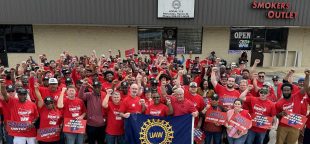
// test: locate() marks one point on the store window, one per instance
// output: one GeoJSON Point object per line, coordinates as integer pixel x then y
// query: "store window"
{"type": "Point", "coordinates": [19, 38]}
{"type": "Point", "coordinates": [170, 40]}
{"type": "Point", "coordinates": [266, 39]}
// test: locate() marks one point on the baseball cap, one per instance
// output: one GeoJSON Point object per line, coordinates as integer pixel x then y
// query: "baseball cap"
{"type": "Point", "coordinates": [267, 84]}
{"type": "Point", "coordinates": [124, 84]}
{"type": "Point", "coordinates": [96, 83]}
{"type": "Point", "coordinates": [10, 88]}
{"type": "Point", "coordinates": [53, 81]}
{"type": "Point", "coordinates": [193, 84]}
{"type": "Point", "coordinates": [22, 91]}
{"type": "Point", "coordinates": [68, 80]}
{"type": "Point", "coordinates": [242, 62]}
{"type": "Point", "coordinates": [164, 76]}
{"type": "Point", "coordinates": [214, 97]}
{"type": "Point", "coordinates": [48, 100]}
{"type": "Point", "coordinates": [275, 77]}
{"type": "Point", "coordinates": [108, 72]}
{"type": "Point", "coordinates": [147, 90]}
{"type": "Point", "coordinates": [264, 90]}
{"type": "Point", "coordinates": [46, 78]}
{"type": "Point", "coordinates": [301, 79]}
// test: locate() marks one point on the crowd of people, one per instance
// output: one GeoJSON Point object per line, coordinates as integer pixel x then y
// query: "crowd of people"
{"type": "Point", "coordinates": [105, 90]}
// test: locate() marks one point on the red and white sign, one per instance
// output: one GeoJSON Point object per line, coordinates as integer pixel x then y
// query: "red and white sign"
{"type": "Point", "coordinates": [48, 133]}
{"type": "Point", "coordinates": [240, 122]}
{"type": "Point", "coordinates": [294, 120]}
{"type": "Point", "coordinates": [261, 121]}
{"type": "Point", "coordinates": [129, 52]}
{"type": "Point", "coordinates": [216, 117]}
{"type": "Point", "coordinates": [74, 126]}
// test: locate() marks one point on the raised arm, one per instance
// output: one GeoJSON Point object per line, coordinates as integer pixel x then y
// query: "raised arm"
{"type": "Point", "coordinates": [170, 112]}
{"type": "Point", "coordinates": [60, 102]}
{"type": "Point", "coordinates": [245, 92]}
{"type": "Point", "coordinates": [105, 102]}
{"type": "Point", "coordinates": [306, 83]}
{"type": "Point", "coordinates": [253, 68]}
{"type": "Point", "coordinates": [38, 95]}
{"type": "Point", "coordinates": [213, 76]}
{"type": "Point", "coordinates": [3, 90]}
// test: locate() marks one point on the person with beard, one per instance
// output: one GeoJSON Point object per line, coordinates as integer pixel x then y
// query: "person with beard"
{"type": "Point", "coordinates": [108, 82]}
{"type": "Point", "coordinates": [290, 102]}
{"type": "Point", "coordinates": [245, 75]}
{"type": "Point", "coordinates": [50, 116]}
{"type": "Point", "coordinates": [132, 103]}
{"type": "Point", "coordinates": [227, 94]}
{"type": "Point", "coordinates": [96, 118]}
{"type": "Point", "coordinates": [123, 89]}
{"type": "Point", "coordinates": [21, 111]}
{"type": "Point", "coordinates": [258, 106]}
{"type": "Point", "coordinates": [73, 108]}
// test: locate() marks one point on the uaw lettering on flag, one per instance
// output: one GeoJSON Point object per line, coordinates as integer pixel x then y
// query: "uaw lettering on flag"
{"type": "Point", "coordinates": [146, 129]}
{"type": "Point", "coordinates": [261, 121]}
{"type": "Point", "coordinates": [199, 136]}
{"type": "Point", "coordinates": [294, 120]}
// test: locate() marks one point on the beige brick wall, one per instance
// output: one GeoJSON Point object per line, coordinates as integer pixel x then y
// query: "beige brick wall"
{"type": "Point", "coordinates": [78, 40]}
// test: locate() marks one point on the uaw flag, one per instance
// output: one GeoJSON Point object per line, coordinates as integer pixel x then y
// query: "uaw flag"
{"type": "Point", "coordinates": [145, 129]}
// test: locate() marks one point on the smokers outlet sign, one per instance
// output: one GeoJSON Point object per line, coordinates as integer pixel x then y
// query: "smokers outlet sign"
{"type": "Point", "coordinates": [176, 8]}
{"type": "Point", "coordinates": [276, 10]}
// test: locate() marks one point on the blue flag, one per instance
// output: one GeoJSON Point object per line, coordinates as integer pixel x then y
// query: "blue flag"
{"type": "Point", "coordinates": [145, 129]}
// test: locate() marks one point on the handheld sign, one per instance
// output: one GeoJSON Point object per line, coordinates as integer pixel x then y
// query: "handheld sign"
{"type": "Point", "coordinates": [264, 122]}
{"type": "Point", "coordinates": [216, 117]}
{"type": "Point", "coordinates": [15, 126]}
{"type": "Point", "coordinates": [294, 120]}
{"type": "Point", "coordinates": [240, 122]}
{"type": "Point", "coordinates": [129, 52]}
{"type": "Point", "coordinates": [227, 101]}
{"type": "Point", "coordinates": [50, 133]}
{"type": "Point", "coordinates": [74, 126]}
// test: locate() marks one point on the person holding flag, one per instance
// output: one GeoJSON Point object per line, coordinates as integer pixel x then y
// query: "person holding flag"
{"type": "Point", "coordinates": [258, 107]}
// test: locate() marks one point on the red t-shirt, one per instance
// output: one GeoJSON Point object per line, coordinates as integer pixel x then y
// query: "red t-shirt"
{"type": "Point", "coordinates": [211, 127]}
{"type": "Point", "coordinates": [115, 123]}
{"type": "Point", "coordinates": [198, 102]}
{"type": "Point", "coordinates": [157, 110]}
{"type": "Point", "coordinates": [45, 92]}
{"type": "Point", "coordinates": [23, 112]}
{"type": "Point", "coordinates": [50, 118]}
{"type": "Point", "coordinates": [182, 107]}
{"type": "Point", "coordinates": [292, 105]}
{"type": "Point", "coordinates": [73, 108]}
{"type": "Point", "coordinates": [260, 107]}
{"type": "Point", "coordinates": [227, 97]}
{"type": "Point", "coordinates": [131, 105]}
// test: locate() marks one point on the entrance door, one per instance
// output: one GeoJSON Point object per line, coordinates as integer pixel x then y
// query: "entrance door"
{"type": "Point", "coordinates": [3, 53]}
{"type": "Point", "coordinates": [258, 46]}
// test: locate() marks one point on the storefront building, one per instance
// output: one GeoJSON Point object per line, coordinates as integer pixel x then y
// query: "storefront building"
{"type": "Point", "coordinates": [275, 31]}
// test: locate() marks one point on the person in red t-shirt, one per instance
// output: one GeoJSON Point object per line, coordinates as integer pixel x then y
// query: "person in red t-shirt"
{"type": "Point", "coordinates": [191, 95]}
{"type": "Point", "coordinates": [50, 119]}
{"type": "Point", "coordinates": [157, 108]}
{"type": "Point", "coordinates": [115, 123]}
{"type": "Point", "coordinates": [227, 94]}
{"type": "Point", "coordinates": [258, 106]}
{"type": "Point", "coordinates": [132, 103]}
{"type": "Point", "coordinates": [52, 89]}
{"type": "Point", "coordinates": [23, 116]}
{"type": "Point", "coordinates": [181, 105]}
{"type": "Point", "coordinates": [290, 102]}
{"type": "Point", "coordinates": [73, 108]}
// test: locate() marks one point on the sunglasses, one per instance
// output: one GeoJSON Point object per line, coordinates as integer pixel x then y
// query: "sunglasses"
{"type": "Point", "coordinates": [261, 76]}
{"type": "Point", "coordinates": [10, 91]}
{"type": "Point", "coordinates": [274, 80]}
{"type": "Point", "coordinates": [263, 92]}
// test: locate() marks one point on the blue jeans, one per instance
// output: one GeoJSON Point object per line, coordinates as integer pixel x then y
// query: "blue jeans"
{"type": "Point", "coordinates": [217, 137]}
{"type": "Point", "coordinates": [240, 140]}
{"type": "Point", "coordinates": [255, 137]}
{"type": "Point", "coordinates": [72, 138]}
{"type": "Point", "coordinates": [111, 139]}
